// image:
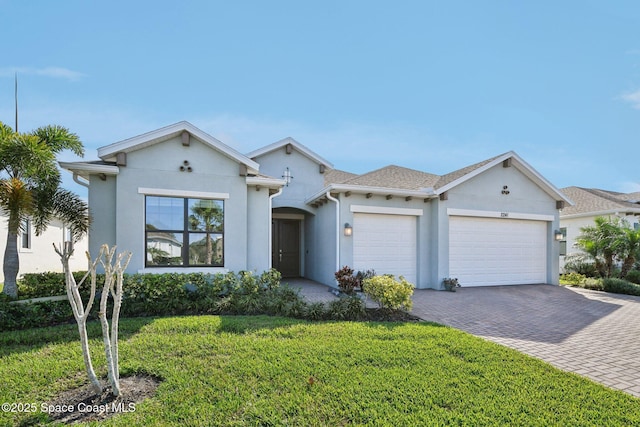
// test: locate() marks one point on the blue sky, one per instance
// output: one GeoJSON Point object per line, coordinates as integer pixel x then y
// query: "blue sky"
{"type": "Point", "coordinates": [430, 85]}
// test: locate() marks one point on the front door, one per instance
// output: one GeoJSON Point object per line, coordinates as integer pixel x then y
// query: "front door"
{"type": "Point", "coordinates": [286, 247]}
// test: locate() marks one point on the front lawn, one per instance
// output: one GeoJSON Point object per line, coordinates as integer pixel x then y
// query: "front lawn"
{"type": "Point", "coordinates": [256, 370]}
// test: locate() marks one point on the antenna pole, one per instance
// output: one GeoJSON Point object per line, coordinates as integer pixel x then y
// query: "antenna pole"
{"type": "Point", "coordinates": [16, 96]}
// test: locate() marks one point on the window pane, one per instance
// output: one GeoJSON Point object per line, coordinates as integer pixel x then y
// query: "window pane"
{"type": "Point", "coordinates": [205, 249]}
{"type": "Point", "coordinates": [206, 215]}
{"type": "Point", "coordinates": [26, 234]}
{"type": "Point", "coordinates": [164, 248]}
{"type": "Point", "coordinates": [165, 213]}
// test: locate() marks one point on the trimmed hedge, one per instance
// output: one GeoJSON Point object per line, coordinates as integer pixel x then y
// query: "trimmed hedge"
{"type": "Point", "coordinates": [620, 286]}
{"type": "Point", "coordinates": [633, 276]}
{"type": "Point", "coordinates": [174, 294]}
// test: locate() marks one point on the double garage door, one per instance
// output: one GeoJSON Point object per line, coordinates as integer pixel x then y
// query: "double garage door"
{"type": "Point", "coordinates": [385, 243]}
{"type": "Point", "coordinates": [497, 251]}
{"type": "Point", "coordinates": [482, 251]}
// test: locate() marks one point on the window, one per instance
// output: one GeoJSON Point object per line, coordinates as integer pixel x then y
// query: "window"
{"type": "Point", "coordinates": [563, 242]}
{"type": "Point", "coordinates": [184, 232]}
{"type": "Point", "coordinates": [25, 234]}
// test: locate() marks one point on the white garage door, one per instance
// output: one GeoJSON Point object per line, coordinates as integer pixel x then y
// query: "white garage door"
{"type": "Point", "coordinates": [497, 251]}
{"type": "Point", "coordinates": [385, 243]}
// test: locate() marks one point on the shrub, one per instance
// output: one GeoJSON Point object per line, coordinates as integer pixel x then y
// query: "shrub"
{"type": "Point", "coordinates": [572, 279]}
{"type": "Point", "coordinates": [32, 315]}
{"type": "Point", "coordinates": [450, 284]}
{"type": "Point", "coordinates": [633, 276]}
{"type": "Point", "coordinates": [347, 282]}
{"type": "Point", "coordinates": [159, 295]}
{"type": "Point", "coordinates": [593, 284]}
{"type": "Point", "coordinates": [315, 311]}
{"type": "Point", "coordinates": [620, 286]}
{"type": "Point", "coordinates": [47, 284]}
{"type": "Point", "coordinates": [350, 307]}
{"type": "Point", "coordinates": [581, 263]}
{"type": "Point", "coordinates": [388, 292]}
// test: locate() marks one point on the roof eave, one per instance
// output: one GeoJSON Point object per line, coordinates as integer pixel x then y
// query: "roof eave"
{"type": "Point", "coordinates": [298, 146]}
{"type": "Point", "coordinates": [265, 182]}
{"type": "Point", "coordinates": [426, 193]}
{"type": "Point", "coordinates": [85, 170]}
{"type": "Point", "coordinates": [600, 213]}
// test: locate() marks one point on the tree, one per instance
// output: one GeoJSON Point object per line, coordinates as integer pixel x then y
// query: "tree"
{"type": "Point", "coordinates": [113, 281]}
{"type": "Point", "coordinates": [30, 188]}
{"type": "Point", "coordinates": [610, 242]}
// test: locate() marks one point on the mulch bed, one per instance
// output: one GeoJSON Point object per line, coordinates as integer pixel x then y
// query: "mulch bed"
{"type": "Point", "coordinates": [82, 404]}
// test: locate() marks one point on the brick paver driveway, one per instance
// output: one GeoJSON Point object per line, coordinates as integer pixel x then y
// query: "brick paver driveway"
{"type": "Point", "coordinates": [591, 333]}
{"type": "Point", "coordinates": [594, 334]}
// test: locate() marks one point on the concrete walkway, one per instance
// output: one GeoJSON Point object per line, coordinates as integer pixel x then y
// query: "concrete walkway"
{"type": "Point", "coordinates": [594, 334]}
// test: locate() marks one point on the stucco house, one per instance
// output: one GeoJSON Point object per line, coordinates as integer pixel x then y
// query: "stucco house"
{"type": "Point", "coordinates": [590, 203]}
{"type": "Point", "coordinates": [181, 200]}
{"type": "Point", "coordinates": [36, 253]}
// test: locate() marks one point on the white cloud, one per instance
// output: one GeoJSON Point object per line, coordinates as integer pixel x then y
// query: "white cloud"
{"type": "Point", "coordinates": [629, 187]}
{"type": "Point", "coordinates": [53, 72]}
{"type": "Point", "coordinates": [633, 98]}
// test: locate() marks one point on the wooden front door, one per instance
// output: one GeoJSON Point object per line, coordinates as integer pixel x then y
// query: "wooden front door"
{"type": "Point", "coordinates": [286, 247]}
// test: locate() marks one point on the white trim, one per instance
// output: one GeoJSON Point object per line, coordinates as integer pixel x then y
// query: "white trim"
{"type": "Point", "coordinates": [181, 193]}
{"type": "Point", "coordinates": [496, 214]}
{"type": "Point", "coordinates": [386, 210]}
{"type": "Point", "coordinates": [268, 182]}
{"type": "Point", "coordinates": [301, 148]}
{"type": "Point", "coordinates": [169, 132]}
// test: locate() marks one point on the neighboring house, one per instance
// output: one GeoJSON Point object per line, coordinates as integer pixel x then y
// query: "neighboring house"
{"type": "Point", "coordinates": [36, 253]}
{"type": "Point", "coordinates": [492, 223]}
{"type": "Point", "coordinates": [590, 203]}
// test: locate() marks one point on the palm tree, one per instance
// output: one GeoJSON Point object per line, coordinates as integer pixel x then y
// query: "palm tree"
{"type": "Point", "coordinates": [630, 252]}
{"type": "Point", "coordinates": [611, 242]}
{"type": "Point", "coordinates": [30, 188]}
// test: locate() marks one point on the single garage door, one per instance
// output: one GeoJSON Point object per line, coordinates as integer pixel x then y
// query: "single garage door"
{"type": "Point", "coordinates": [385, 243]}
{"type": "Point", "coordinates": [497, 251]}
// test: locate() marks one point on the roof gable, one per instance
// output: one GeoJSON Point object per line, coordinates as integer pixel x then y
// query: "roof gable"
{"type": "Point", "coordinates": [283, 143]}
{"type": "Point", "coordinates": [453, 179]}
{"type": "Point", "coordinates": [109, 152]}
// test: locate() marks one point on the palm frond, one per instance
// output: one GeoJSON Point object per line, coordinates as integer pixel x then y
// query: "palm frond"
{"type": "Point", "coordinates": [59, 138]}
{"type": "Point", "coordinates": [16, 200]}
{"type": "Point", "coordinates": [73, 211]}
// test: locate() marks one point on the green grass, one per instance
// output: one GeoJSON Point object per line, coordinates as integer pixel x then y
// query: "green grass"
{"type": "Point", "coordinates": [235, 371]}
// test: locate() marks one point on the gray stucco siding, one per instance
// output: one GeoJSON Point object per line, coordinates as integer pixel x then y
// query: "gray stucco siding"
{"type": "Point", "coordinates": [422, 261]}
{"type": "Point", "coordinates": [307, 178]}
{"type": "Point", "coordinates": [158, 167]}
{"type": "Point", "coordinates": [484, 193]}
{"type": "Point", "coordinates": [102, 208]}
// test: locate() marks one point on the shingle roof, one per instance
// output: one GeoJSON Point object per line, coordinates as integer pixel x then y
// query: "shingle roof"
{"type": "Point", "coordinates": [394, 177]}
{"type": "Point", "coordinates": [452, 176]}
{"type": "Point", "coordinates": [588, 200]}
{"type": "Point", "coordinates": [336, 176]}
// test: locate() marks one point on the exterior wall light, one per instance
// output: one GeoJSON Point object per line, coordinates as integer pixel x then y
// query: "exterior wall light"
{"type": "Point", "coordinates": [348, 229]}
{"type": "Point", "coordinates": [558, 235]}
